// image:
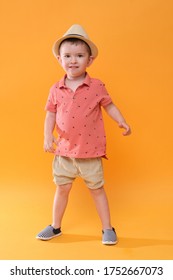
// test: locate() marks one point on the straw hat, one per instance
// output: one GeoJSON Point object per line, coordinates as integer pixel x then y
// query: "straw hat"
{"type": "Point", "coordinates": [75, 31]}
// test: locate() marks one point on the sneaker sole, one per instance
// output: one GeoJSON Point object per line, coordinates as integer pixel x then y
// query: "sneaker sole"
{"type": "Point", "coordinates": [109, 242]}
{"type": "Point", "coordinates": [48, 238]}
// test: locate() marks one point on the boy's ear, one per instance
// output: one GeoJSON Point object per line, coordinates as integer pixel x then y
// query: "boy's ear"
{"type": "Point", "coordinates": [91, 59]}
{"type": "Point", "coordinates": [59, 59]}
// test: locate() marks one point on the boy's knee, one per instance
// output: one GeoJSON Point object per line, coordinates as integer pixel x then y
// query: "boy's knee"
{"type": "Point", "coordinates": [97, 190]}
{"type": "Point", "coordinates": [64, 189]}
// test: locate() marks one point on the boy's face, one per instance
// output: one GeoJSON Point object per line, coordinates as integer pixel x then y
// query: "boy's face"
{"type": "Point", "coordinates": [74, 58]}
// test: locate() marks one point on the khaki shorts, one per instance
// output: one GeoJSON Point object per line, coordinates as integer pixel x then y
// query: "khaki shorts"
{"type": "Point", "coordinates": [66, 170]}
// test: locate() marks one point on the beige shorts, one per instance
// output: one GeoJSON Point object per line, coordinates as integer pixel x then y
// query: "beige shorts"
{"type": "Point", "coordinates": [66, 170]}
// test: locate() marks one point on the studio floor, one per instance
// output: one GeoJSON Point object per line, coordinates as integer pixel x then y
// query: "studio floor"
{"type": "Point", "coordinates": [144, 232]}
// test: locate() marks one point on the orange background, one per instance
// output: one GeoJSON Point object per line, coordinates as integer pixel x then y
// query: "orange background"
{"type": "Point", "coordinates": [135, 61]}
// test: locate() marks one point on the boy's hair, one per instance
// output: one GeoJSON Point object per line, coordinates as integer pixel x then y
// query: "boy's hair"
{"type": "Point", "coordinates": [76, 41]}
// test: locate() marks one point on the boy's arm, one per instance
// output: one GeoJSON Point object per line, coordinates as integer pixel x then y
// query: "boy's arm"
{"type": "Point", "coordinates": [49, 126]}
{"type": "Point", "coordinates": [116, 115]}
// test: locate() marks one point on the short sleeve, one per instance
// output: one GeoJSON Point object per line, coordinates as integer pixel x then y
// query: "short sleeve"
{"type": "Point", "coordinates": [51, 104]}
{"type": "Point", "coordinates": [105, 97]}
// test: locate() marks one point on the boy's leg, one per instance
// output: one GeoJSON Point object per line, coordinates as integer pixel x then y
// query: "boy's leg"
{"type": "Point", "coordinates": [60, 203]}
{"type": "Point", "coordinates": [59, 206]}
{"type": "Point", "coordinates": [109, 236]}
{"type": "Point", "coordinates": [102, 206]}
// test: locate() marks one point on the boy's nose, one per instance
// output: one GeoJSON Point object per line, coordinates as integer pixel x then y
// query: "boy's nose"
{"type": "Point", "coordinates": [73, 59]}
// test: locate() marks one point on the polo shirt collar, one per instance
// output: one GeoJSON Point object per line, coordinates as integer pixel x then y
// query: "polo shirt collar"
{"type": "Point", "coordinates": [86, 81]}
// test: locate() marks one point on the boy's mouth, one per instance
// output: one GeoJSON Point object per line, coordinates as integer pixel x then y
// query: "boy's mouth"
{"type": "Point", "coordinates": [73, 66]}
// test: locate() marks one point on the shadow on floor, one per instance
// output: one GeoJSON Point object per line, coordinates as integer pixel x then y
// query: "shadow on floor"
{"type": "Point", "coordinates": [123, 242]}
{"type": "Point", "coordinates": [73, 238]}
{"type": "Point", "coordinates": [142, 242]}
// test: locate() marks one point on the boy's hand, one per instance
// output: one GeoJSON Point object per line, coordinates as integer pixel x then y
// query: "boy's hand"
{"type": "Point", "coordinates": [126, 127]}
{"type": "Point", "coordinates": [116, 115]}
{"type": "Point", "coordinates": [48, 144]}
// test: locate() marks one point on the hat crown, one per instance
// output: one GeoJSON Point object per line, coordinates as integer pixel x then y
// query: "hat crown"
{"type": "Point", "coordinates": [75, 31]}
{"type": "Point", "coordinates": [78, 30]}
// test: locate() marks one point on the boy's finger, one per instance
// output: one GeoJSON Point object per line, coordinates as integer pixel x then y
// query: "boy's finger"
{"type": "Point", "coordinates": [127, 131]}
{"type": "Point", "coordinates": [55, 141]}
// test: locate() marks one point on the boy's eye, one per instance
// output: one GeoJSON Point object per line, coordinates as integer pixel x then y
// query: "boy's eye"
{"type": "Point", "coordinates": [80, 55]}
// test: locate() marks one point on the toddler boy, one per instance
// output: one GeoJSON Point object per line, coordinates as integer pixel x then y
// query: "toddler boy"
{"type": "Point", "coordinates": [74, 108]}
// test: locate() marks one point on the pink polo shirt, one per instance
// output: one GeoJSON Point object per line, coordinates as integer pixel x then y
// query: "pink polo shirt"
{"type": "Point", "coordinates": [79, 120]}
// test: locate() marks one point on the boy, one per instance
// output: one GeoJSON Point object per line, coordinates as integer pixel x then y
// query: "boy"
{"type": "Point", "coordinates": [74, 107]}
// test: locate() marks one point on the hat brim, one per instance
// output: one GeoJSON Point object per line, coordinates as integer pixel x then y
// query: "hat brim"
{"type": "Point", "coordinates": [94, 49]}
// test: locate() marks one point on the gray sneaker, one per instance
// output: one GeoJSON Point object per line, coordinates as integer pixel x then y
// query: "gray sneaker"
{"type": "Point", "coordinates": [109, 237]}
{"type": "Point", "coordinates": [48, 233]}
